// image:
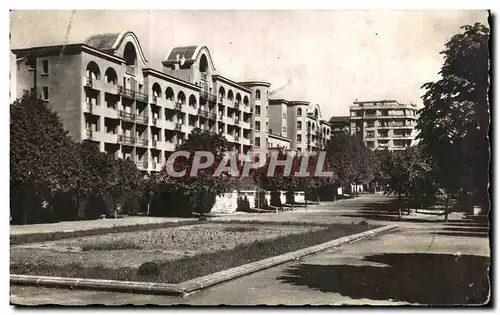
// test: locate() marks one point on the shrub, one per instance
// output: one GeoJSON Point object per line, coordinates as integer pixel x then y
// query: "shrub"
{"type": "Point", "coordinates": [241, 229]}
{"type": "Point", "coordinates": [148, 269]}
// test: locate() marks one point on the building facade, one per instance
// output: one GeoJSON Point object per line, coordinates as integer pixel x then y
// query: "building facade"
{"type": "Point", "coordinates": [384, 124]}
{"type": "Point", "coordinates": [341, 125]}
{"type": "Point", "coordinates": [104, 91]}
{"type": "Point", "coordinates": [300, 122]}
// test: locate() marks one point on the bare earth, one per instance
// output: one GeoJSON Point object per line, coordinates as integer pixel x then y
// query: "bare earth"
{"type": "Point", "coordinates": [155, 245]}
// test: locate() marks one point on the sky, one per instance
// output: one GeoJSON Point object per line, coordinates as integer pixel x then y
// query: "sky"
{"type": "Point", "coordinates": [325, 57]}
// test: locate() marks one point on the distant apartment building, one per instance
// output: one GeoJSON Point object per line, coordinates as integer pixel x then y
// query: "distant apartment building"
{"type": "Point", "coordinates": [300, 122]}
{"type": "Point", "coordinates": [341, 125]}
{"type": "Point", "coordinates": [104, 91]}
{"type": "Point", "coordinates": [384, 123]}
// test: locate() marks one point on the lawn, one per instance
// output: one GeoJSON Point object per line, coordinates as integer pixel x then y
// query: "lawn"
{"type": "Point", "coordinates": [172, 254]}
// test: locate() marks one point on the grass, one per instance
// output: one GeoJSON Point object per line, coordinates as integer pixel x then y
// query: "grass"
{"type": "Point", "coordinates": [110, 245]}
{"type": "Point", "coordinates": [186, 268]}
{"type": "Point", "coordinates": [241, 229]}
{"type": "Point", "coordinates": [54, 236]}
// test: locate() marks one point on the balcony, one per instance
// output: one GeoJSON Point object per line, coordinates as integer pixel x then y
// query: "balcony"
{"type": "Point", "coordinates": [236, 138]}
{"type": "Point", "coordinates": [142, 97]}
{"type": "Point", "coordinates": [204, 76]}
{"type": "Point", "coordinates": [236, 105]}
{"type": "Point", "coordinates": [142, 119]}
{"type": "Point", "coordinates": [208, 96]}
{"type": "Point", "coordinates": [88, 134]}
{"type": "Point", "coordinates": [202, 113]}
{"type": "Point", "coordinates": [127, 140]}
{"type": "Point", "coordinates": [154, 121]}
{"type": "Point", "coordinates": [154, 143]}
{"type": "Point", "coordinates": [178, 106]}
{"type": "Point", "coordinates": [129, 69]}
{"type": "Point", "coordinates": [128, 93]}
{"type": "Point", "coordinates": [154, 100]}
{"type": "Point", "coordinates": [143, 142]}
{"type": "Point", "coordinates": [127, 116]}
{"type": "Point", "coordinates": [142, 165]}
{"type": "Point", "coordinates": [237, 122]}
{"type": "Point", "coordinates": [178, 126]}
{"type": "Point", "coordinates": [88, 81]}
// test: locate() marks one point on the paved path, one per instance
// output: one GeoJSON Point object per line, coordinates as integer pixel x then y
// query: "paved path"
{"type": "Point", "coordinates": [424, 262]}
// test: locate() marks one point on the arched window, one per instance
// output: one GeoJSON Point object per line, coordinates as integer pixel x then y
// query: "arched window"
{"type": "Point", "coordinates": [156, 90]}
{"type": "Point", "coordinates": [93, 71]}
{"type": "Point", "coordinates": [110, 76]}
{"type": "Point", "coordinates": [129, 54]}
{"type": "Point", "coordinates": [203, 63]}
{"type": "Point", "coordinates": [169, 94]}
{"type": "Point", "coordinates": [192, 101]}
{"type": "Point", "coordinates": [230, 95]}
{"type": "Point", "coordinates": [222, 93]}
{"type": "Point", "coordinates": [299, 111]}
{"type": "Point", "coordinates": [245, 100]}
{"type": "Point", "coordinates": [181, 97]}
{"type": "Point", "coordinates": [316, 113]}
{"type": "Point", "coordinates": [257, 94]}
{"type": "Point", "coordinates": [238, 98]}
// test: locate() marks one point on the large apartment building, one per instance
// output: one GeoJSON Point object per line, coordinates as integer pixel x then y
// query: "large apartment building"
{"type": "Point", "coordinates": [104, 91]}
{"type": "Point", "coordinates": [300, 122]}
{"type": "Point", "coordinates": [384, 123]}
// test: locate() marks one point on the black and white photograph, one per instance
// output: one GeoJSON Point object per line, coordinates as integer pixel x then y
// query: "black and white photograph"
{"type": "Point", "coordinates": [250, 157]}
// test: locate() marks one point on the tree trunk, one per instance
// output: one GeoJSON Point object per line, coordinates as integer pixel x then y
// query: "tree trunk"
{"type": "Point", "coordinates": [446, 209]}
{"type": "Point", "coordinates": [399, 208]}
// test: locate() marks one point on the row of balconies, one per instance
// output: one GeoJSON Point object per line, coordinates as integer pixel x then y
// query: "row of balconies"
{"type": "Point", "coordinates": [143, 118]}
{"type": "Point", "coordinates": [152, 143]}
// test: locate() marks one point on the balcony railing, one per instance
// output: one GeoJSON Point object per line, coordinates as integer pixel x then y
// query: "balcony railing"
{"type": "Point", "coordinates": [127, 116]}
{"type": "Point", "coordinates": [178, 126]}
{"type": "Point", "coordinates": [237, 121]}
{"type": "Point", "coordinates": [130, 69]}
{"type": "Point", "coordinates": [204, 76]}
{"type": "Point", "coordinates": [208, 96]}
{"type": "Point", "coordinates": [142, 119]}
{"type": "Point", "coordinates": [154, 121]}
{"type": "Point", "coordinates": [236, 138]}
{"type": "Point", "coordinates": [143, 97]}
{"type": "Point", "coordinates": [154, 143]}
{"type": "Point", "coordinates": [202, 113]}
{"type": "Point", "coordinates": [212, 116]}
{"type": "Point", "coordinates": [142, 164]}
{"type": "Point", "coordinates": [126, 140]}
{"type": "Point", "coordinates": [88, 134]}
{"type": "Point", "coordinates": [128, 93]}
{"type": "Point", "coordinates": [142, 142]}
{"type": "Point", "coordinates": [178, 106]}
{"type": "Point", "coordinates": [88, 107]}
{"type": "Point", "coordinates": [236, 105]}
{"type": "Point", "coordinates": [88, 81]}
{"type": "Point", "coordinates": [154, 99]}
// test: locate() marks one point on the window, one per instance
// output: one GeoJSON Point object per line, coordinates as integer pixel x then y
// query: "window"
{"type": "Point", "coordinates": [257, 126]}
{"type": "Point", "coordinates": [299, 111]}
{"type": "Point", "coordinates": [299, 138]}
{"type": "Point", "coordinates": [45, 67]}
{"type": "Point", "coordinates": [257, 95]}
{"type": "Point", "coordinates": [257, 110]}
{"type": "Point", "coordinates": [257, 141]}
{"type": "Point", "coordinates": [299, 125]}
{"type": "Point", "coordinates": [45, 93]}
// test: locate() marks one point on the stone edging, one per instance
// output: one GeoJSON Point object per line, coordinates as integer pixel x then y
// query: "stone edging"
{"type": "Point", "coordinates": [193, 285]}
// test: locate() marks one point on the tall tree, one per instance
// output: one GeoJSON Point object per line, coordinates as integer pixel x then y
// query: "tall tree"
{"type": "Point", "coordinates": [43, 159]}
{"type": "Point", "coordinates": [454, 123]}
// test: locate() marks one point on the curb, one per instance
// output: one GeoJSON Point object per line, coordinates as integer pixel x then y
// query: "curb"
{"type": "Point", "coordinates": [193, 285]}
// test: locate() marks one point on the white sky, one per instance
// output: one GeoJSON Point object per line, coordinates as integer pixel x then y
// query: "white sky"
{"type": "Point", "coordinates": [325, 57]}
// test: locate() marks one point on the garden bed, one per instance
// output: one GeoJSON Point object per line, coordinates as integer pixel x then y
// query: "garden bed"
{"type": "Point", "coordinates": [170, 255]}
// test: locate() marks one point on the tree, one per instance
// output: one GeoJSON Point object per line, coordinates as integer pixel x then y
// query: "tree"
{"type": "Point", "coordinates": [197, 194]}
{"type": "Point", "coordinates": [408, 175]}
{"type": "Point", "coordinates": [454, 123]}
{"type": "Point", "coordinates": [43, 159]}
{"type": "Point", "coordinates": [351, 160]}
